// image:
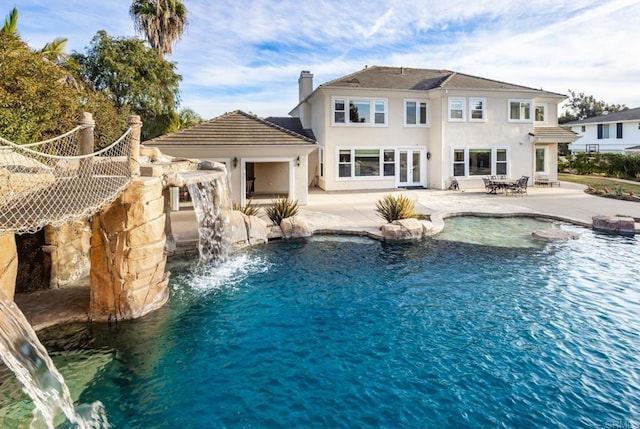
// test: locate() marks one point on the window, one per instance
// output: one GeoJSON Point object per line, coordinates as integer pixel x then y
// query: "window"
{"type": "Point", "coordinates": [458, 163]}
{"type": "Point", "coordinates": [540, 152]}
{"type": "Point", "coordinates": [477, 109]}
{"type": "Point", "coordinates": [619, 130]}
{"type": "Point", "coordinates": [603, 131]}
{"type": "Point", "coordinates": [519, 111]}
{"type": "Point", "coordinates": [367, 162]}
{"type": "Point", "coordinates": [321, 162]}
{"type": "Point", "coordinates": [415, 113]}
{"type": "Point", "coordinates": [360, 111]}
{"type": "Point", "coordinates": [540, 113]}
{"type": "Point", "coordinates": [389, 160]}
{"type": "Point", "coordinates": [501, 162]}
{"type": "Point", "coordinates": [456, 109]}
{"type": "Point", "coordinates": [338, 111]}
{"type": "Point", "coordinates": [480, 162]}
{"type": "Point", "coordinates": [380, 112]}
{"type": "Point", "coordinates": [344, 163]}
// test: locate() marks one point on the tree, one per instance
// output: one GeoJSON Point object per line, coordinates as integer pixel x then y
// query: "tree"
{"type": "Point", "coordinates": [135, 77]}
{"type": "Point", "coordinates": [161, 21]}
{"type": "Point", "coordinates": [41, 94]}
{"type": "Point", "coordinates": [581, 106]}
{"type": "Point", "coordinates": [35, 100]}
{"type": "Point", "coordinates": [188, 118]}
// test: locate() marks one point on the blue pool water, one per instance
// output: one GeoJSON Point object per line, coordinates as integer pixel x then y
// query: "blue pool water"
{"type": "Point", "coordinates": [343, 332]}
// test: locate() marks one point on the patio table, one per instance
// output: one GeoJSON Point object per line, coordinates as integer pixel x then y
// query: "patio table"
{"type": "Point", "coordinates": [500, 185]}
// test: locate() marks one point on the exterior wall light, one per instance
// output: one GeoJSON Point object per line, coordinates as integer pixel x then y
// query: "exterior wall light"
{"type": "Point", "coordinates": [235, 161]}
{"type": "Point", "coordinates": [428, 155]}
{"type": "Point", "coordinates": [298, 161]}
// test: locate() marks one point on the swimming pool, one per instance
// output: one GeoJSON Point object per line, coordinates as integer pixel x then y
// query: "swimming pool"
{"type": "Point", "coordinates": [349, 332]}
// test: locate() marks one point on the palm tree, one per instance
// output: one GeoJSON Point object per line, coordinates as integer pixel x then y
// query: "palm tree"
{"type": "Point", "coordinates": [54, 51]}
{"type": "Point", "coordinates": [161, 21]}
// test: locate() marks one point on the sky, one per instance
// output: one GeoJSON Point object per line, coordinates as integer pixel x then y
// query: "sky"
{"type": "Point", "coordinates": [247, 55]}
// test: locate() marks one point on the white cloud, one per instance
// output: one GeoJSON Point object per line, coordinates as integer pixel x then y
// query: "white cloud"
{"type": "Point", "coordinates": [247, 54]}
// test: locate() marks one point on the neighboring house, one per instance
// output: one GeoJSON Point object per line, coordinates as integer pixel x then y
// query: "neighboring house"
{"type": "Point", "coordinates": [263, 157]}
{"type": "Point", "coordinates": [617, 132]}
{"type": "Point", "coordinates": [387, 127]}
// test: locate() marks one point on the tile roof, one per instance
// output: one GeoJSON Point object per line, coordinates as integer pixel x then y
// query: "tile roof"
{"type": "Point", "coordinates": [235, 128]}
{"type": "Point", "coordinates": [623, 115]}
{"type": "Point", "coordinates": [291, 124]}
{"type": "Point", "coordinates": [384, 77]}
{"type": "Point", "coordinates": [555, 134]}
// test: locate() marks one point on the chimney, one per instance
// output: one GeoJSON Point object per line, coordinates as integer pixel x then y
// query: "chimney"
{"type": "Point", "coordinates": [305, 84]}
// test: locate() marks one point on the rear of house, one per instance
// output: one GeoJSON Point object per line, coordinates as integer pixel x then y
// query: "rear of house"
{"type": "Point", "coordinates": [388, 127]}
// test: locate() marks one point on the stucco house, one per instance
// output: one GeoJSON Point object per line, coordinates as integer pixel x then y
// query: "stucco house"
{"type": "Point", "coordinates": [387, 127]}
{"type": "Point", "coordinates": [616, 132]}
{"type": "Point", "coordinates": [263, 157]}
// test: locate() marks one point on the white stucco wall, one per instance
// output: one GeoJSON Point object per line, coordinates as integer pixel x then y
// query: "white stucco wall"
{"type": "Point", "coordinates": [438, 139]}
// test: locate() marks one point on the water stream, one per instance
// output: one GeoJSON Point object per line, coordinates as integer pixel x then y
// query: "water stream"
{"type": "Point", "coordinates": [212, 203]}
{"type": "Point", "coordinates": [27, 358]}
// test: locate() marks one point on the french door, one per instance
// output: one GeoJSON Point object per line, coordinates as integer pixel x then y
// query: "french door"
{"type": "Point", "coordinates": [412, 169]}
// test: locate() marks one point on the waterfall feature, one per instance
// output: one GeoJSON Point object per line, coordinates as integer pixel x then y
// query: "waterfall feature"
{"type": "Point", "coordinates": [23, 354]}
{"type": "Point", "coordinates": [212, 203]}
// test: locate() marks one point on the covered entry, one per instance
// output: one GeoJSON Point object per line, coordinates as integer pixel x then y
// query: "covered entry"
{"type": "Point", "coordinates": [268, 178]}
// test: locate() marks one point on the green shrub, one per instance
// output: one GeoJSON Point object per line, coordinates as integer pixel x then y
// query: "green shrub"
{"type": "Point", "coordinates": [281, 208]}
{"type": "Point", "coordinates": [249, 209]}
{"type": "Point", "coordinates": [394, 207]}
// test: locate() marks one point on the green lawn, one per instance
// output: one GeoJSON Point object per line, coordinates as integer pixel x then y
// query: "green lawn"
{"type": "Point", "coordinates": [603, 185]}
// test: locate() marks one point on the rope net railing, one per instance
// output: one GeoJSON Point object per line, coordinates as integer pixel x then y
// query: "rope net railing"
{"type": "Point", "coordinates": [52, 182]}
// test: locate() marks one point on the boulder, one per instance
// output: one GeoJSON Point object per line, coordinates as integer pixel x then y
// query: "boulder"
{"type": "Point", "coordinates": [553, 235]}
{"type": "Point", "coordinates": [403, 229]}
{"type": "Point", "coordinates": [295, 227]}
{"type": "Point", "coordinates": [246, 230]}
{"type": "Point", "coordinates": [614, 225]}
{"type": "Point", "coordinates": [274, 232]}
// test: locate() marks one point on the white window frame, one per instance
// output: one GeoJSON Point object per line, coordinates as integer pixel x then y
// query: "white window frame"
{"type": "Point", "coordinates": [494, 160]}
{"type": "Point", "coordinates": [522, 102]}
{"type": "Point", "coordinates": [418, 102]}
{"type": "Point", "coordinates": [472, 101]}
{"type": "Point", "coordinates": [462, 109]}
{"type": "Point", "coordinates": [544, 160]}
{"type": "Point", "coordinates": [374, 103]}
{"type": "Point", "coordinates": [545, 110]}
{"type": "Point", "coordinates": [352, 150]}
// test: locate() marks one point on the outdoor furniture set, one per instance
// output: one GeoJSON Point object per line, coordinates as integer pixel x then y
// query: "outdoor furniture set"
{"type": "Point", "coordinates": [502, 184]}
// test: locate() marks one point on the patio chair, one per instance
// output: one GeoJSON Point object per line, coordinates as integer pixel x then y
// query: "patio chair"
{"type": "Point", "coordinates": [489, 186]}
{"type": "Point", "coordinates": [518, 187]}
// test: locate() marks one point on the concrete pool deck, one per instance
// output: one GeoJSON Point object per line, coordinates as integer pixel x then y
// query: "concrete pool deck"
{"type": "Point", "coordinates": [353, 212]}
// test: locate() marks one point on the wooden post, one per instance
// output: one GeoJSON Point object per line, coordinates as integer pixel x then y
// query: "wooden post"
{"type": "Point", "coordinates": [85, 141]}
{"type": "Point", "coordinates": [134, 159]}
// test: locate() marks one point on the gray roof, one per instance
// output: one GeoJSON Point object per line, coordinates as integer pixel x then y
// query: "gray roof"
{"type": "Point", "coordinates": [383, 77]}
{"type": "Point", "coordinates": [291, 124]}
{"type": "Point", "coordinates": [621, 116]}
{"type": "Point", "coordinates": [234, 128]}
